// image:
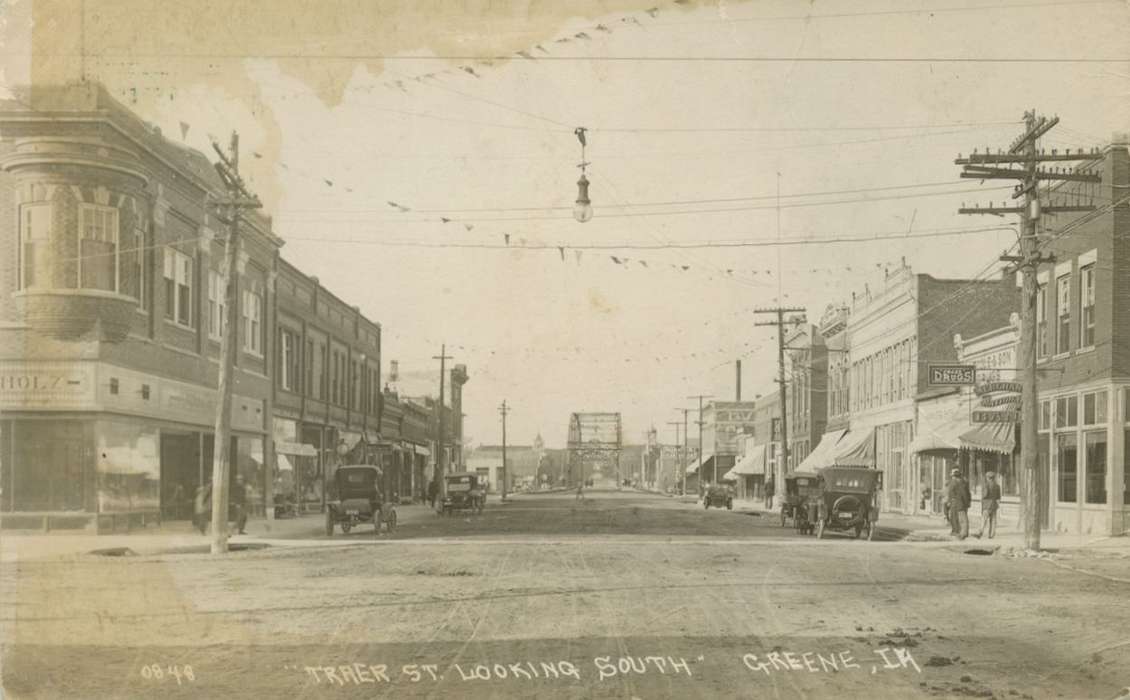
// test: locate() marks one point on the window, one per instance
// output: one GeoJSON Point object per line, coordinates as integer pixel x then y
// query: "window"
{"type": "Point", "coordinates": [1087, 306]}
{"type": "Point", "coordinates": [1042, 320]}
{"type": "Point", "coordinates": [252, 323]}
{"type": "Point", "coordinates": [178, 287]}
{"type": "Point", "coordinates": [217, 310]}
{"type": "Point", "coordinates": [133, 278]}
{"type": "Point", "coordinates": [1066, 412]}
{"type": "Point", "coordinates": [1063, 314]}
{"type": "Point", "coordinates": [288, 365]}
{"type": "Point", "coordinates": [1045, 415]}
{"type": "Point", "coordinates": [322, 372]}
{"type": "Point", "coordinates": [1126, 471]}
{"type": "Point", "coordinates": [1095, 474]}
{"type": "Point", "coordinates": [35, 268]}
{"type": "Point", "coordinates": [309, 357]}
{"type": "Point", "coordinates": [1067, 448]}
{"type": "Point", "coordinates": [98, 247]}
{"type": "Point", "coordinates": [1094, 408]}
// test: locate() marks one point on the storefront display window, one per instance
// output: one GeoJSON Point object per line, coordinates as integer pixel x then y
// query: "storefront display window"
{"type": "Point", "coordinates": [1096, 467]}
{"type": "Point", "coordinates": [1067, 448]}
{"type": "Point", "coordinates": [250, 465]}
{"type": "Point", "coordinates": [46, 465]}
{"type": "Point", "coordinates": [1066, 412]}
{"type": "Point", "coordinates": [128, 467]}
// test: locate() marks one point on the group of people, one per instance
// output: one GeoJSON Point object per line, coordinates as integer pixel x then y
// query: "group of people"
{"type": "Point", "coordinates": [959, 498]}
{"type": "Point", "coordinates": [237, 504]}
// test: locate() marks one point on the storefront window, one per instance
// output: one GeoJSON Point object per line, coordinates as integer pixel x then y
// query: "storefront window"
{"type": "Point", "coordinates": [1067, 448]}
{"type": "Point", "coordinates": [1096, 467]}
{"type": "Point", "coordinates": [1094, 408]}
{"type": "Point", "coordinates": [250, 465]}
{"type": "Point", "coordinates": [128, 468]}
{"type": "Point", "coordinates": [1045, 415]}
{"type": "Point", "coordinates": [46, 465]}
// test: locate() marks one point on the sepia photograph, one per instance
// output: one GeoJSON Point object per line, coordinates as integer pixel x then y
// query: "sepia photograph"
{"type": "Point", "coordinates": [626, 349]}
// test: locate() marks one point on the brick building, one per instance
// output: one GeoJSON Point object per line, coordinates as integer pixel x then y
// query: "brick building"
{"type": "Point", "coordinates": [108, 355]}
{"type": "Point", "coordinates": [807, 364]}
{"type": "Point", "coordinates": [894, 333]}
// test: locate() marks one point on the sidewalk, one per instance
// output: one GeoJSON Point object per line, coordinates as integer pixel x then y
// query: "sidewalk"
{"type": "Point", "coordinates": [177, 535]}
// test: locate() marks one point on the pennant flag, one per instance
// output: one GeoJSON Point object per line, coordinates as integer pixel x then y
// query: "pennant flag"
{"type": "Point", "coordinates": [469, 70]}
{"type": "Point", "coordinates": [394, 205]}
{"type": "Point", "coordinates": [507, 237]}
{"type": "Point", "coordinates": [183, 131]}
{"type": "Point", "coordinates": [525, 54]}
{"type": "Point", "coordinates": [653, 12]}
{"type": "Point", "coordinates": [578, 254]}
{"type": "Point", "coordinates": [469, 227]}
{"type": "Point", "coordinates": [686, 267]}
{"type": "Point", "coordinates": [615, 259]}
{"type": "Point", "coordinates": [329, 182]}
{"type": "Point", "coordinates": [602, 28]}
{"type": "Point", "coordinates": [541, 48]}
{"type": "Point", "coordinates": [582, 35]}
{"type": "Point", "coordinates": [561, 250]}
{"type": "Point", "coordinates": [642, 262]}
{"type": "Point", "coordinates": [445, 220]}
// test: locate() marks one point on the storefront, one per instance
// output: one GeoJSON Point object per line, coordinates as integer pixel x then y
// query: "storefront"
{"type": "Point", "coordinates": [92, 446]}
{"type": "Point", "coordinates": [749, 472]}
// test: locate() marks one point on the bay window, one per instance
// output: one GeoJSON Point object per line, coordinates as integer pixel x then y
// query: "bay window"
{"type": "Point", "coordinates": [1095, 468]}
{"type": "Point", "coordinates": [35, 236]}
{"type": "Point", "coordinates": [98, 247]}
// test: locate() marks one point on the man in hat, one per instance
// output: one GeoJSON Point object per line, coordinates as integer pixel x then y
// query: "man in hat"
{"type": "Point", "coordinates": [959, 499]}
{"type": "Point", "coordinates": [990, 502]}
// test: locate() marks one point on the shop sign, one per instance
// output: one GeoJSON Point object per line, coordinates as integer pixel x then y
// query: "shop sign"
{"type": "Point", "coordinates": [1003, 400]}
{"type": "Point", "coordinates": [995, 387]}
{"type": "Point", "coordinates": [952, 375]}
{"type": "Point", "coordinates": [26, 385]}
{"type": "Point", "coordinates": [996, 416]}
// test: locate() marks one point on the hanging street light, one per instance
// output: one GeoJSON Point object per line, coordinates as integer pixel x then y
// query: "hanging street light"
{"type": "Point", "coordinates": [582, 209]}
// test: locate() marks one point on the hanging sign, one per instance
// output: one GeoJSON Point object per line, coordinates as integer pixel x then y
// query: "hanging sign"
{"type": "Point", "coordinates": [1002, 400]}
{"type": "Point", "coordinates": [995, 416]}
{"type": "Point", "coordinates": [995, 387]}
{"type": "Point", "coordinates": [952, 375]}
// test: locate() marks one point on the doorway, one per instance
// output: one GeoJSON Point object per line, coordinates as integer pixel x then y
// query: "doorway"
{"type": "Point", "coordinates": [180, 474]}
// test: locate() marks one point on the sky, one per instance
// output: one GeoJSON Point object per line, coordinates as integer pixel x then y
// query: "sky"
{"type": "Point", "coordinates": [766, 133]}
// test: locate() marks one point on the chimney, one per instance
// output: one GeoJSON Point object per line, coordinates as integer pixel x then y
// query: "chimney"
{"type": "Point", "coordinates": [738, 373]}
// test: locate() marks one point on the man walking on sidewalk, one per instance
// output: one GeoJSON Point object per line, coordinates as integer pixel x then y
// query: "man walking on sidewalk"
{"type": "Point", "coordinates": [769, 492]}
{"type": "Point", "coordinates": [990, 502]}
{"type": "Point", "coordinates": [959, 499]}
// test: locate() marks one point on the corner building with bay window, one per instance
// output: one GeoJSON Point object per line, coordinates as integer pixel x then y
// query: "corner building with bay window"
{"type": "Point", "coordinates": [111, 308]}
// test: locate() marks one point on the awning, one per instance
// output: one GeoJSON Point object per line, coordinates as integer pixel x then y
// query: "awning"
{"type": "Point", "coordinates": [298, 449]}
{"type": "Point", "coordinates": [698, 463]}
{"type": "Point", "coordinates": [824, 455]}
{"type": "Point", "coordinates": [942, 436]}
{"type": "Point", "coordinates": [856, 449]}
{"type": "Point", "coordinates": [349, 440]}
{"type": "Point", "coordinates": [992, 437]}
{"type": "Point", "coordinates": [421, 450]}
{"type": "Point", "coordinates": [282, 463]}
{"type": "Point", "coordinates": [730, 476]}
{"type": "Point", "coordinates": [752, 463]}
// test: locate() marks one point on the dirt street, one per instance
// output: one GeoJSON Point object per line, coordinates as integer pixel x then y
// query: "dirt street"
{"type": "Point", "coordinates": [620, 596]}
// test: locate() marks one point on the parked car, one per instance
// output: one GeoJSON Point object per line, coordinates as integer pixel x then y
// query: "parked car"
{"type": "Point", "coordinates": [718, 495]}
{"type": "Point", "coordinates": [800, 489]}
{"type": "Point", "coordinates": [359, 500]}
{"type": "Point", "coordinates": [849, 500]}
{"type": "Point", "coordinates": [462, 491]}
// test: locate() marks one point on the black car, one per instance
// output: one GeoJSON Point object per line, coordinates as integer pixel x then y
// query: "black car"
{"type": "Point", "coordinates": [718, 495]}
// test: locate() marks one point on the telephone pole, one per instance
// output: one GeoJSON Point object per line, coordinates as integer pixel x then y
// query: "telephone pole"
{"type": "Point", "coordinates": [1026, 158]}
{"type": "Point", "coordinates": [441, 437]}
{"type": "Point", "coordinates": [701, 451]}
{"type": "Point", "coordinates": [503, 410]}
{"type": "Point", "coordinates": [686, 448]}
{"type": "Point", "coordinates": [231, 206]}
{"type": "Point", "coordinates": [783, 464]}
{"type": "Point", "coordinates": [678, 452]}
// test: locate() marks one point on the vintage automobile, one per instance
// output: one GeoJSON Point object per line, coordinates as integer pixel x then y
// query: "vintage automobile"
{"type": "Point", "coordinates": [801, 488]}
{"type": "Point", "coordinates": [462, 491]}
{"type": "Point", "coordinates": [848, 500]}
{"type": "Point", "coordinates": [718, 495]}
{"type": "Point", "coordinates": [359, 500]}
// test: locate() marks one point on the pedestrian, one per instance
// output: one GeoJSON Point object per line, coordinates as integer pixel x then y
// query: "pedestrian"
{"type": "Point", "coordinates": [239, 503]}
{"type": "Point", "coordinates": [202, 507]}
{"type": "Point", "coordinates": [433, 491]}
{"type": "Point", "coordinates": [990, 503]}
{"type": "Point", "coordinates": [770, 490]}
{"type": "Point", "coordinates": [959, 498]}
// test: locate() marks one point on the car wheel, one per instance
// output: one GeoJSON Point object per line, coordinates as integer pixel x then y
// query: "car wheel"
{"type": "Point", "coordinates": [346, 527]}
{"type": "Point", "coordinates": [329, 523]}
{"type": "Point", "coordinates": [858, 531]}
{"type": "Point", "coordinates": [729, 505]}
{"type": "Point", "coordinates": [820, 530]}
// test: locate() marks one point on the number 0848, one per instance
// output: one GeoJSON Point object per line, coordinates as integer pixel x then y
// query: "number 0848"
{"type": "Point", "coordinates": [157, 672]}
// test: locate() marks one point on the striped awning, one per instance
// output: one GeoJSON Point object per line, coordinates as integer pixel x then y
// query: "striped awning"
{"type": "Point", "coordinates": [991, 437]}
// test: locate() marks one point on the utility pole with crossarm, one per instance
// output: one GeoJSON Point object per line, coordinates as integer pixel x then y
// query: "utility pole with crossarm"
{"type": "Point", "coordinates": [230, 207]}
{"type": "Point", "coordinates": [1024, 155]}
{"type": "Point", "coordinates": [783, 462]}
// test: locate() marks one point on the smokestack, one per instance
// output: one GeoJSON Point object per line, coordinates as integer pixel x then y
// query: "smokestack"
{"type": "Point", "coordinates": [738, 368]}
